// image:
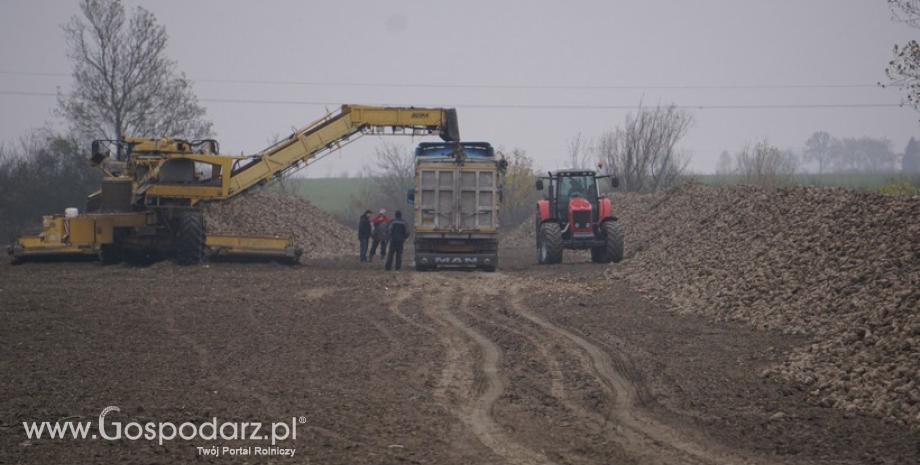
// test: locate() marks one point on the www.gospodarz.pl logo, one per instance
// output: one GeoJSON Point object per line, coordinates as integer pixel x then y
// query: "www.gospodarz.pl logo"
{"type": "Point", "coordinates": [166, 431]}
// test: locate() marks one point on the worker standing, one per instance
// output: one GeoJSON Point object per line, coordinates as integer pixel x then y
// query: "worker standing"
{"type": "Point", "coordinates": [364, 233]}
{"type": "Point", "coordinates": [380, 222]}
{"type": "Point", "coordinates": [397, 233]}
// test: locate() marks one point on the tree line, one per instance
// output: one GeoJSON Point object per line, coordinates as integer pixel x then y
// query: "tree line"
{"type": "Point", "coordinates": [857, 155]}
{"type": "Point", "coordinates": [766, 165]}
{"type": "Point", "coordinates": [43, 173]}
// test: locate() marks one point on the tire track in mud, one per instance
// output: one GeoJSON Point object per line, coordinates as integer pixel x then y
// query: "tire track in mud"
{"type": "Point", "coordinates": [542, 339]}
{"type": "Point", "coordinates": [467, 353]}
{"type": "Point", "coordinates": [403, 296]}
{"type": "Point", "coordinates": [539, 341]}
{"type": "Point", "coordinates": [645, 438]}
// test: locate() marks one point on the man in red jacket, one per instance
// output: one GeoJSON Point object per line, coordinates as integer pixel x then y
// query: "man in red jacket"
{"type": "Point", "coordinates": [380, 222]}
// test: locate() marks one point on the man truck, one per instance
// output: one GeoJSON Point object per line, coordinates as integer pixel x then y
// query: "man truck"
{"type": "Point", "coordinates": [456, 199]}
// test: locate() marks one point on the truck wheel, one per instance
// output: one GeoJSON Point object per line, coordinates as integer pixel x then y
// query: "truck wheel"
{"type": "Point", "coordinates": [613, 233]}
{"type": "Point", "coordinates": [599, 255]}
{"type": "Point", "coordinates": [190, 239]}
{"type": "Point", "coordinates": [550, 244]}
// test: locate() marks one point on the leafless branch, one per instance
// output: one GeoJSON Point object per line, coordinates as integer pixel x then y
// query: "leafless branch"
{"type": "Point", "coordinates": [124, 82]}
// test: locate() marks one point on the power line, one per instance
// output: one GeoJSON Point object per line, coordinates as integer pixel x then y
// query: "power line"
{"type": "Point", "coordinates": [500, 86]}
{"type": "Point", "coordinates": [536, 106]}
{"type": "Point", "coordinates": [36, 94]}
{"type": "Point", "coordinates": [544, 87]}
{"type": "Point", "coordinates": [584, 107]}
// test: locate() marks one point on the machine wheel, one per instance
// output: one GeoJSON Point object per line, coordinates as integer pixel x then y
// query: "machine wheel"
{"type": "Point", "coordinates": [110, 254]}
{"type": "Point", "coordinates": [190, 238]}
{"type": "Point", "coordinates": [420, 267]}
{"type": "Point", "coordinates": [613, 233]}
{"type": "Point", "coordinates": [550, 244]}
{"type": "Point", "coordinates": [599, 255]}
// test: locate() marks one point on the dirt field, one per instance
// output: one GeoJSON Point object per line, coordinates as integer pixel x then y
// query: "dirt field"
{"type": "Point", "coordinates": [528, 365]}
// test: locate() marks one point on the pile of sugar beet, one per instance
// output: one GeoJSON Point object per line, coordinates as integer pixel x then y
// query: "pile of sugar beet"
{"type": "Point", "coordinates": [275, 214]}
{"type": "Point", "coordinates": [841, 268]}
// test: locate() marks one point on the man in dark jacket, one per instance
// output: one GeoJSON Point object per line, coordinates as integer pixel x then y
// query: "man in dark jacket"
{"type": "Point", "coordinates": [397, 233]}
{"type": "Point", "coordinates": [364, 233]}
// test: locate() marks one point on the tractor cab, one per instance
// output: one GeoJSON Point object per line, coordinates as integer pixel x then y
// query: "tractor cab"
{"type": "Point", "coordinates": [580, 186]}
{"type": "Point", "coordinates": [573, 197]}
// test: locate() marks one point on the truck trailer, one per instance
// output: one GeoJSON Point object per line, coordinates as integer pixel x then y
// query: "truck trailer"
{"type": "Point", "coordinates": [456, 198]}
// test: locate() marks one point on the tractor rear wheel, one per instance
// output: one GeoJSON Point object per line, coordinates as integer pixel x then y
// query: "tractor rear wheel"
{"type": "Point", "coordinates": [190, 238]}
{"type": "Point", "coordinates": [613, 233]}
{"type": "Point", "coordinates": [550, 244]}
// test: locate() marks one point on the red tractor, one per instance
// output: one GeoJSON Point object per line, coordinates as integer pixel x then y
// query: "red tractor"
{"type": "Point", "coordinates": [573, 216]}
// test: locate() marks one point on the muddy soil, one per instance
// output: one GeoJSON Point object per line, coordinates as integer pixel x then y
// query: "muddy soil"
{"type": "Point", "coordinates": [528, 365]}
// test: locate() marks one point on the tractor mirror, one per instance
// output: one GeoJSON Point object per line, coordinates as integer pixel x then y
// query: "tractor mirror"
{"type": "Point", "coordinates": [410, 196]}
{"type": "Point", "coordinates": [539, 184]}
{"type": "Point", "coordinates": [614, 182]}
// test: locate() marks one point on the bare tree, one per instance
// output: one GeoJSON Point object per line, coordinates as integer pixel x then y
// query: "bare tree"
{"type": "Point", "coordinates": [764, 165]}
{"type": "Point", "coordinates": [393, 174]}
{"type": "Point", "coordinates": [725, 165]}
{"type": "Point", "coordinates": [793, 160]}
{"type": "Point", "coordinates": [864, 155]}
{"type": "Point", "coordinates": [360, 201]}
{"type": "Point", "coordinates": [579, 152]}
{"type": "Point", "coordinates": [910, 162]}
{"type": "Point", "coordinates": [904, 69]}
{"type": "Point", "coordinates": [818, 150]}
{"type": "Point", "coordinates": [644, 152]}
{"type": "Point", "coordinates": [123, 80]}
{"type": "Point", "coordinates": [382, 184]}
{"type": "Point", "coordinates": [518, 194]}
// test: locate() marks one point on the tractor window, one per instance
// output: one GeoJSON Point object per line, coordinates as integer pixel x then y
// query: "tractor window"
{"type": "Point", "coordinates": [583, 186]}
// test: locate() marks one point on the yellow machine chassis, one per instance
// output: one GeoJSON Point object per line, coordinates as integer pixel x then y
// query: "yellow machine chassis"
{"type": "Point", "coordinates": [82, 236]}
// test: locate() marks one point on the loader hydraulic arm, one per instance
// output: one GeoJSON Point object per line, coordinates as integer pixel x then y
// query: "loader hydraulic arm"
{"type": "Point", "coordinates": [335, 130]}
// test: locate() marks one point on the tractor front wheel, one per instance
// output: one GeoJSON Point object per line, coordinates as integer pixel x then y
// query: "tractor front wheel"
{"type": "Point", "coordinates": [613, 235]}
{"type": "Point", "coordinates": [190, 238]}
{"type": "Point", "coordinates": [550, 244]}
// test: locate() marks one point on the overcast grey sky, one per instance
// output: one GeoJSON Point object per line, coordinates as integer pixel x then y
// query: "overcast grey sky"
{"type": "Point", "coordinates": [522, 74]}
